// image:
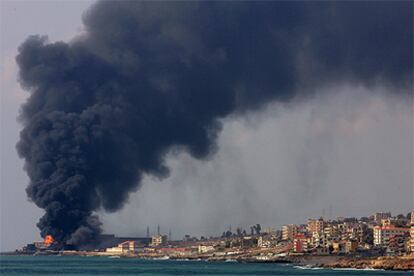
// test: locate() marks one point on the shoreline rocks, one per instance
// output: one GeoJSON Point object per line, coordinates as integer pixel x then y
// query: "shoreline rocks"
{"type": "Point", "coordinates": [401, 263]}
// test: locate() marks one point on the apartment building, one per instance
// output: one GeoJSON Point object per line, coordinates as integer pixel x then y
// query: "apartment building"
{"type": "Point", "coordinates": [289, 231]}
{"type": "Point", "coordinates": [384, 234]}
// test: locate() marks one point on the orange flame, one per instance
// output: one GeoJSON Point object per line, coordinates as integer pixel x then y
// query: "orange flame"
{"type": "Point", "coordinates": [48, 240]}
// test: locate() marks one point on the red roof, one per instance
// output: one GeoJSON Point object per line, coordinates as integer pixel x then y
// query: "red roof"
{"type": "Point", "coordinates": [391, 227]}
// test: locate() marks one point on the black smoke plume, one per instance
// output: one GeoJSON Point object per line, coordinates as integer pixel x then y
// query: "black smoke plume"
{"type": "Point", "coordinates": [147, 77]}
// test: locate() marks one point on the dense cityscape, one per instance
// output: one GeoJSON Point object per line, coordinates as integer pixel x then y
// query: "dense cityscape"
{"type": "Point", "coordinates": [380, 234]}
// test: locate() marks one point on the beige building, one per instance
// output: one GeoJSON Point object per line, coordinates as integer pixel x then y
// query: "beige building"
{"type": "Point", "coordinates": [338, 247]}
{"type": "Point", "coordinates": [289, 231]}
{"type": "Point", "coordinates": [267, 241]}
{"type": "Point", "coordinates": [205, 249]}
{"type": "Point", "coordinates": [158, 240]}
{"type": "Point", "coordinates": [331, 232]}
{"type": "Point", "coordinates": [316, 225]}
{"type": "Point", "coordinates": [124, 247]}
{"type": "Point", "coordinates": [351, 246]}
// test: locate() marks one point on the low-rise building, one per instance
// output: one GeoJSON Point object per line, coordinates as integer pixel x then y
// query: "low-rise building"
{"type": "Point", "coordinates": [319, 250]}
{"type": "Point", "coordinates": [176, 251]}
{"type": "Point", "coordinates": [125, 247]}
{"type": "Point", "coordinates": [351, 246]}
{"type": "Point", "coordinates": [205, 249]}
{"type": "Point", "coordinates": [158, 240]}
{"type": "Point", "coordinates": [247, 242]}
{"type": "Point", "coordinates": [338, 247]}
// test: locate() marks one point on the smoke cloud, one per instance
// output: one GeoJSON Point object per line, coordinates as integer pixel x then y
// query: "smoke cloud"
{"type": "Point", "coordinates": [151, 77]}
{"type": "Point", "coordinates": [348, 152]}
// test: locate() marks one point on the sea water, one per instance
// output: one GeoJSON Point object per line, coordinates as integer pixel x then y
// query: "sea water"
{"type": "Point", "coordinates": [74, 265]}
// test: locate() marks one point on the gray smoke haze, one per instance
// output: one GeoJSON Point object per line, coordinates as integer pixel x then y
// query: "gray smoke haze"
{"type": "Point", "coordinates": [152, 78]}
{"type": "Point", "coordinates": [348, 153]}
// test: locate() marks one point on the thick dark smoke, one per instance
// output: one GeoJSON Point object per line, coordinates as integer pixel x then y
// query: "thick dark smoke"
{"type": "Point", "coordinates": [148, 77]}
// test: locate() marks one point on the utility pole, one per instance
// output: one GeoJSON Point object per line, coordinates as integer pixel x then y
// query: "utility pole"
{"type": "Point", "coordinates": [158, 229]}
{"type": "Point", "coordinates": [148, 233]}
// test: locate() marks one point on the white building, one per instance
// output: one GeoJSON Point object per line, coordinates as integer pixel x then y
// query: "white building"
{"type": "Point", "coordinates": [158, 240]}
{"type": "Point", "coordinates": [267, 241]}
{"type": "Point", "coordinates": [382, 234]}
{"type": "Point", "coordinates": [124, 247]}
{"type": "Point", "coordinates": [205, 249]}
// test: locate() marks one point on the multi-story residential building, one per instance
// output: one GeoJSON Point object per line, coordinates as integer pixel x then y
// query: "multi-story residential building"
{"type": "Point", "coordinates": [331, 232]}
{"type": "Point", "coordinates": [365, 234]}
{"type": "Point", "coordinates": [316, 225]}
{"type": "Point", "coordinates": [352, 231]}
{"type": "Point", "coordinates": [384, 234]}
{"type": "Point", "coordinates": [267, 241]}
{"type": "Point", "coordinates": [397, 243]}
{"type": "Point", "coordinates": [300, 243]}
{"type": "Point", "coordinates": [318, 240]}
{"type": "Point", "coordinates": [289, 231]}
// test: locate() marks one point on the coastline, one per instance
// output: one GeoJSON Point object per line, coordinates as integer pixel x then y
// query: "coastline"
{"type": "Point", "coordinates": [395, 263]}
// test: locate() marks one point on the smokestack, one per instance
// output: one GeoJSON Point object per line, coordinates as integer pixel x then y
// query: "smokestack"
{"type": "Point", "coordinates": [148, 77]}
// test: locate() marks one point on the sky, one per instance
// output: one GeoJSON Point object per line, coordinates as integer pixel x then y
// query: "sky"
{"type": "Point", "coordinates": [20, 19]}
{"type": "Point", "coordinates": [348, 153]}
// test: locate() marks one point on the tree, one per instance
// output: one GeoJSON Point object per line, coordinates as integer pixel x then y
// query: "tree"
{"type": "Point", "coordinates": [239, 231]}
{"type": "Point", "coordinates": [258, 229]}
